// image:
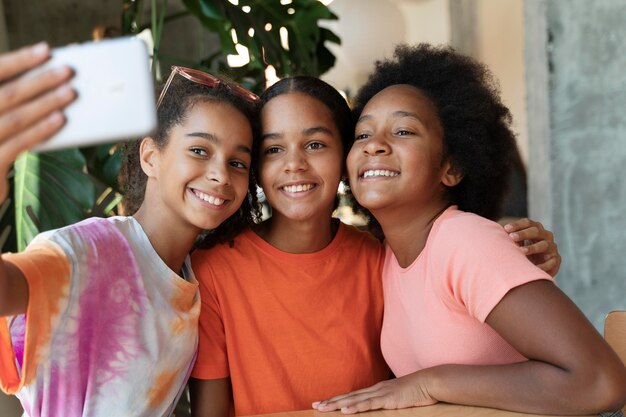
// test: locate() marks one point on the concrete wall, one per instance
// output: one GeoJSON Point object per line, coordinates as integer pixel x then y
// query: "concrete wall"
{"type": "Point", "coordinates": [577, 91]}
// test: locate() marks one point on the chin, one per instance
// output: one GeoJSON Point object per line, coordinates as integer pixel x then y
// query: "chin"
{"type": "Point", "coordinates": [372, 201]}
{"type": "Point", "coordinates": [210, 224]}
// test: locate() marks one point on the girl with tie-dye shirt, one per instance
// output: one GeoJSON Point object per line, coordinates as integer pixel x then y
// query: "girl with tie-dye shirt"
{"type": "Point", "coordinates": [100, 318]}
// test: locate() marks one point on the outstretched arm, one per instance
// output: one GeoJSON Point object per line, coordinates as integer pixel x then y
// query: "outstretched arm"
{"type": "Point", "coordinates": [30, 112]}
{"type": "Point", "coordinates": [571, 369]}
{"type": "Point", "coordinates": [210, 398]}
{"type": "Point", "coordinates": [537, 243]}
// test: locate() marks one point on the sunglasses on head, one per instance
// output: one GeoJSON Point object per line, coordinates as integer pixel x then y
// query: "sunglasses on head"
{"type": "Point", "coordinates": [207, 79]}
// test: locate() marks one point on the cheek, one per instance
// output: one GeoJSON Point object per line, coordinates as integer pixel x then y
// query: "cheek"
{"type": "Point", "coordinates": [264, 176]}
{"type": "Point", "coordinates": [351, 162]}
{"type": "Point", "coordinates": [241, 185]}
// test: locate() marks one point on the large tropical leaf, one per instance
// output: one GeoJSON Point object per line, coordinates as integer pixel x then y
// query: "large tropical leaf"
{"type": "Point", "coordinates": [51, 190]}
{"type": "Point", "coordinates": [7, 229]}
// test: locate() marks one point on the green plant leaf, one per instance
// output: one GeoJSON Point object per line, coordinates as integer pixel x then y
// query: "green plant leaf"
{"type": "Point", "coordinates": [7, 227]}
{"type": "Point", "coordinates": [130, 16]}
{"type": "Point", "coordinates": [325, 58]}
{"type": "Point", "coordinates": [307, 53]}
{"type": "Point", "coordinates": [104, 163]}
{"type": "Point", "coordinates": [51, 190]}
{"type": "Point", "coordinates": [211, 9]}
{"type": "Point", "coordinates": [211, 23]}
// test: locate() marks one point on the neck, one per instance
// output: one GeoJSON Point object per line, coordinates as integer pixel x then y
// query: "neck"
{"type": "Point", "coordinates": [171, 240]}
{"type": "Point", "coordinates": [297, 236]}
{"type": "Point", "coordinates": [406, 233]}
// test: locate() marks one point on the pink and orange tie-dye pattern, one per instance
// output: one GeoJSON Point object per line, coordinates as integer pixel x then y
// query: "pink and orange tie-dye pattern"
{"type": "Point", "coordinates": [92, 333]}
{"type": "Point", "coordinates": [42, 313]}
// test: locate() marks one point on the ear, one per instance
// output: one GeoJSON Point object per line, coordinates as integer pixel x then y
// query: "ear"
{"type": "Point", "coordinates": [149, 157]}
{"type": "Point", "coordinates": [451, 176]}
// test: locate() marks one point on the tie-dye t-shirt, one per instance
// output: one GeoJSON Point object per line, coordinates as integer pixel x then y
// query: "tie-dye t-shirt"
{"type": "Point", "coordinates": [109, 330]}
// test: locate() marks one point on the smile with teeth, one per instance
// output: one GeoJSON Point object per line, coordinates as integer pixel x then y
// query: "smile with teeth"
{"type": "Point", "coordinates": [298, 188]}
{"type": "Point", "coordinates": [379, 173]}
{"type": "Point", "coordinates": [216, 201]}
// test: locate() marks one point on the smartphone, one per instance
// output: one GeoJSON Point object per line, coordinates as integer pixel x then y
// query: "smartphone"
{"type": "Point", "coordinates": [115, 93]}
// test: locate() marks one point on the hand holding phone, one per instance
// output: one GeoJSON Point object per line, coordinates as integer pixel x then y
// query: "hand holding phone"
{"type": "Point", "coordinates": [115, 93]}
{"type": "Point", "coordinates": [30, 106]}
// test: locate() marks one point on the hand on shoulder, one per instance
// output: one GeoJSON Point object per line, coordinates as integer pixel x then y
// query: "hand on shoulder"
{"type": "Point", "coordinates": [537, 243]}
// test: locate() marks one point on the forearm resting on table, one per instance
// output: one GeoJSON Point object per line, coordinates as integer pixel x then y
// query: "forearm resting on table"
{"type": "Point", "coordinates": [531, 387]}
{"type": "Point", "coordinates": [13, 290]}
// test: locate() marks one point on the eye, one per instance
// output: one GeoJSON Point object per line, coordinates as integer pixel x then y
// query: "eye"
{"type": "Point", "coordinates": [315, 146]}
{"type": "Point", "coordinates": [199, 151]}
{"type": "Point", "coordinates": [404, 132]}
{"type": "Point", "coordinates": [272, 150]}
{"type": "Point", "coordinates": [239, 165]}
{"type": "Point", "coordinates": [361, 136]}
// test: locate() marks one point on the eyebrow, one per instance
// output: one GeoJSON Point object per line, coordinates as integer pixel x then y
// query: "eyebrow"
{"type": "Point", "coordinates": [308, 132]}
{"type": "Point", "coordinates": [214, 139]}
{"type": "Point", "coordinates": [397, 113]}
{"type": "Point", "coordinates": [271, 136]}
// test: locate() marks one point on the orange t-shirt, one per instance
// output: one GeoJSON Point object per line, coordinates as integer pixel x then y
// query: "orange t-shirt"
{"type": "Point", "coordinates": [290, 329]}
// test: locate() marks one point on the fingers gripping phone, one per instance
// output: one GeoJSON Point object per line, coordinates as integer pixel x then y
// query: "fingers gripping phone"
{"type": "Point", "coordinates": [115, 93]}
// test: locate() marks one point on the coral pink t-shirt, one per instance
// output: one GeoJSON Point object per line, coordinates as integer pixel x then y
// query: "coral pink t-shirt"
{"type": "Point", "coordinates": [435, 309]}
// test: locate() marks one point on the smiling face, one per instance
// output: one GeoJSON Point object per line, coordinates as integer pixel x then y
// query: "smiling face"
{"type": "Point", "coordinates": [202, 172]}
{"type": "Point", "coordinates": [301, 157]}
{"type": "Point", "coordinates": [395, 165]}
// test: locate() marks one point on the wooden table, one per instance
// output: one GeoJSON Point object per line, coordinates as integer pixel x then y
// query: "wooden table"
{"type": "Point", "coordinates": [437, 410]}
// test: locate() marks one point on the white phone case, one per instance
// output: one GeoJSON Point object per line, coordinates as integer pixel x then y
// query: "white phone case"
{"type": "Point", "coordinates": [115, 93]}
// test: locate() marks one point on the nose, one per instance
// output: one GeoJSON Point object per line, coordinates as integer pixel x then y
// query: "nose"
{"type": "Point", "coordinates": [376, 145]}
{"type": "Point", "coordinates": [218, 172]}
{"type": "Point", "coordinates": [296, 161]}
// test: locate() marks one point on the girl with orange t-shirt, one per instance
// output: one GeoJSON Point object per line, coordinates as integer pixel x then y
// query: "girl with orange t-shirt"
{"type": "Point", "coordinates": [292, 309]}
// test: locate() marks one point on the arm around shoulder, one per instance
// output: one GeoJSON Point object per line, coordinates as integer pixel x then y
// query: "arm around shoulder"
{"type": "Point", "coordinates": [210, 397]}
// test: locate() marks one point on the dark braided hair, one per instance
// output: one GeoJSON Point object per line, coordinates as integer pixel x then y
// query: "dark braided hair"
{"type": "Point", "coordinates": [181, 96]}
{"type": "Point", "coordinates": [476, 125]}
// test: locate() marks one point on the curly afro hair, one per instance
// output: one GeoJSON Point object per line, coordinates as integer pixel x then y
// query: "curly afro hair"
{"type": "Point", "coordinates": [476, 124]}
{"type": "Point", "coordinates": [181, 96]}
